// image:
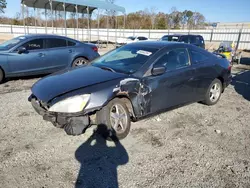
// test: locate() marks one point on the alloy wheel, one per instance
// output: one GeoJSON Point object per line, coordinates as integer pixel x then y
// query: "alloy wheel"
{"type": "Point", "coordinates": [79, 62]}
{"type": "Point", "coordinates": [118, 118]}
{"type": "Point", "coordinates": [215, 92]}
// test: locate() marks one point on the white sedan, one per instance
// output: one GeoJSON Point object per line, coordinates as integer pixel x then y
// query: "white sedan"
{"type": "Point", "coordinates": [128, 40]}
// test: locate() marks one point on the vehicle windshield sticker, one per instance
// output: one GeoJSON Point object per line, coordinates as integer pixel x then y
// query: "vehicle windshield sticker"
{"type": "Point", "coordinates": [142, 52]}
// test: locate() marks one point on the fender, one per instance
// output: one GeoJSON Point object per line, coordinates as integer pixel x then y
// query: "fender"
{"type": "Point", "coordinates": [4, 63]}
{"type": "Point", "coordinates": [130, 88]}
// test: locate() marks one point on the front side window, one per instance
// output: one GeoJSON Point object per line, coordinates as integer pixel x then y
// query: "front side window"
{"type": "Point", "coordinates": [36, 44]}
{"type": "Point", "coordinates": [56, 43]}
{"type": "Point", "coordinates": [127, 59]}
{"type": "Point", "coordinates": [197, 56]}
{"type": "Point", "coordinates": [174, 59]}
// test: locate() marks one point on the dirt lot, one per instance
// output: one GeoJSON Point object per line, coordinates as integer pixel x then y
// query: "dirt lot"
{"type": "Point", "coordinates": [193, 146]}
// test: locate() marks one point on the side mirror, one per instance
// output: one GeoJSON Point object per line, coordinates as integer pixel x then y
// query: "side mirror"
{"type": "Point", "coordinates": [21, 50]}
{"type": "Point", "coordinates": [158, 71]}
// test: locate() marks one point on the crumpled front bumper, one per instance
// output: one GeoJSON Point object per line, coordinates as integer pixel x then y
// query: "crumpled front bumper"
{"type": "Point", "coordinates": [73, 124]}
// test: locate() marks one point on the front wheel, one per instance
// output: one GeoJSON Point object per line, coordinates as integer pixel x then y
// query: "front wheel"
{"type": "Point", "coordinates": [213, 93]}
{"type": "Point", "coordinates": [116, 118]}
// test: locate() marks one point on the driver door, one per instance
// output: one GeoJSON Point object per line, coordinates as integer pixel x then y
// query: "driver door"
{"type": "Point", "coordinates": [176, 86]}
{"type": "Point", "coordinates": [32, 61]}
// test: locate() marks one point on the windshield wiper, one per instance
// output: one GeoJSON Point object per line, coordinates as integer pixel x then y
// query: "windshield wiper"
{"type": "Point", "coordinates": [107, 68]}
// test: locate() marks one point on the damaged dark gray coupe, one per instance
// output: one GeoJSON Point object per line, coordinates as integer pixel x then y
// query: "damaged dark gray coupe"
{"type": "Point", "coordinates": [128, 84]}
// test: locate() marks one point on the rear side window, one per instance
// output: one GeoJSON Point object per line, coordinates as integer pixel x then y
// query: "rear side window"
{"type": "Point", "coordinates": [70, 43]}
{"type": "Point", "coordinates": [36, 44]}
{"type": "Point", "coordinates": [196, 40]}
{"type": "Point", "coordinates": [170, 38]}
{"type": "Point", "coordinates": [184, 39]}
{"type": "Point", "coordinates": [56, 43]}
{"type": "Point", "coordinates": [198, 57]}
{"type": "Point", "coordinates": [142, 38]}
{"type": "Point", "coordinates": [174, 59]}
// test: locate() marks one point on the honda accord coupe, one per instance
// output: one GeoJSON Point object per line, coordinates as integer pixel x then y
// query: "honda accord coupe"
{"type": "Point", "coordinates": [128, 84]}
{"type": "Point", "coordinates": [42, 54]}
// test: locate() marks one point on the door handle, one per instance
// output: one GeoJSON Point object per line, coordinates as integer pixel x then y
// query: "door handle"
{"type": "Point", "coordinates": [70, 51]}
{"type": "Point", "coordinates": [41, 54]}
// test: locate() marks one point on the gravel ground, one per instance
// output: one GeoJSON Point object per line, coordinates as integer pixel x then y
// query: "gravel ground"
{"type": "Point", "coordinates": [193, 146]}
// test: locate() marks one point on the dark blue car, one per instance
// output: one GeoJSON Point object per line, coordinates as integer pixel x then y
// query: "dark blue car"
{"type": "Point", "coordinates": [130, 83]}
{"type": "Point", "coordinates": [42, 54]}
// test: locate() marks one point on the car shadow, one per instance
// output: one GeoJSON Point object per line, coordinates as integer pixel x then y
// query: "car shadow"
{"type": "Point", "coordinates": [99, 162]}
{"type": "Point", "coordinates": [241, 83]}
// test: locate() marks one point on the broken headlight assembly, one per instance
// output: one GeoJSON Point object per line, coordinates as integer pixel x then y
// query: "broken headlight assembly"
{"type": "Point", "coordinates": [71, 105]}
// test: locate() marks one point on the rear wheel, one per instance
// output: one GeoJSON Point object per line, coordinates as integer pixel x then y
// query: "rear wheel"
{"type": "Point", "coordinates": [116, 118]}
{"type": "Point", "coordinates": [213, 93]}
{"type": "Point", "coordinates": [1, 75]}
{"type": "Point", "coordinates": [79, 62]}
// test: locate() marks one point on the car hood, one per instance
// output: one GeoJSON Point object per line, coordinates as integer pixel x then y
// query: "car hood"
{"type": "Point", "coordinates": [69, 80]}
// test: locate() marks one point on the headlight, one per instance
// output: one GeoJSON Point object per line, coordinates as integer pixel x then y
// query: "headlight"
{"type": "Point", "coordinates": [71, 105]}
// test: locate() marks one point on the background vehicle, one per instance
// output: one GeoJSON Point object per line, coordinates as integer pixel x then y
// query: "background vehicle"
{"type": "Point", "coordinates": [129, 40]}
{"type": "Point", "coordinates": [42, 54]}
{"type": "Point", "coordinates": [196, 40]}
{"type": "Point", "coordinates": [130, 83]}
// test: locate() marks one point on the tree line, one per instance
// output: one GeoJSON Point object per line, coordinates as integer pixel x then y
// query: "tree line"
{"type": "Point", "coordinates": [144, 19]}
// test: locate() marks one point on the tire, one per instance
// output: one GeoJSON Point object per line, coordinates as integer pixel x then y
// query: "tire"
{"type": "Point", "coordinates": [1, 76]}
{"type": "Point", "coordinates": [113, 127]}
{"type": "Point", "coordinates": [210, 97]}
{"type": "Point", "coordinates": [79, 62]}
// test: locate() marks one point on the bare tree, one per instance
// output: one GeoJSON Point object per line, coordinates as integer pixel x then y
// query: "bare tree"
{"type": "Point", "coordinates": [152, 13]}
{"type": "Point", "coordinates": [175, 18]}
{"type": "Point", "coordinates": [111, 14]}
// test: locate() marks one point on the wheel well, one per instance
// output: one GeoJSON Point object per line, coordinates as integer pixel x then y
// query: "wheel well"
{"type": "Point", "coordinates": [222, 82]}
{"type": "Point", "coordinates": [129, 105]}
{"type": "Point", "coordinates": [221, 79]}
{"type": "Point", "coordinates": [81, 57]}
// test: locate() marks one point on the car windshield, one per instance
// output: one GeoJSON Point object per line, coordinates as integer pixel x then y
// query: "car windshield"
{"type": "Point", "coordinates": [127, 59]}
{"type": "Point", "coordinates": [170, 38]}
{"type": "Point", "coordinates": [11, 43]}
{"type": "Point", "coordinates": [131, 38]}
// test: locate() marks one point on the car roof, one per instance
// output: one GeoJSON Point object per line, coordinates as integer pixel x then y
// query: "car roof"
{"type": "Point", "coordinates": [158, 44]}
{"type": "Point", "coordinates": [182, 35]}
{"type": "Point", "coordinates": [44, 35]}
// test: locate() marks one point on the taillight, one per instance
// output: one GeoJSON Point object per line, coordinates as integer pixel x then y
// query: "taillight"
{"type": "Point", "coordinates": [95, 49]}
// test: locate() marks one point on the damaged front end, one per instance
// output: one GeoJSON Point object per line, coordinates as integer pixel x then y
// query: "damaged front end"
{"type": "Point", "coordinates": [73, 123]}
